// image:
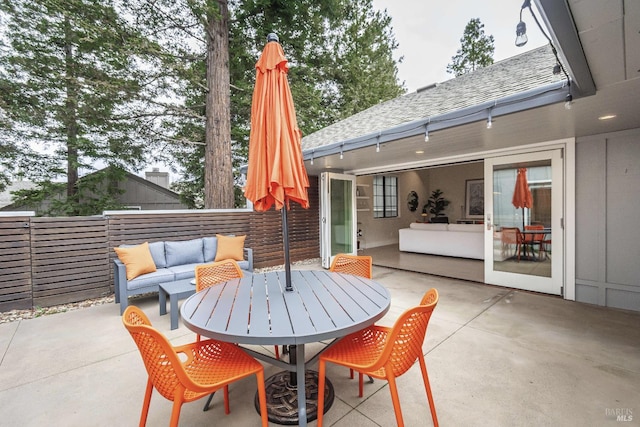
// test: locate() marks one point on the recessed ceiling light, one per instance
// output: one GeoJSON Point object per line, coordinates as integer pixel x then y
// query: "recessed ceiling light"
{"type": "Point", "coordinates": [607, 117]}
{"type": "Point", "coordinates": [420, 152]}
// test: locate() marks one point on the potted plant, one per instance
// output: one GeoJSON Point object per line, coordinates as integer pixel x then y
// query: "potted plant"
{"type": "Point", "coordinates": [436, 204]}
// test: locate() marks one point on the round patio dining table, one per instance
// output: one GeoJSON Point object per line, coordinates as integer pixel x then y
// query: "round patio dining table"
{"type": "Point", "coordinates": [257, 310]}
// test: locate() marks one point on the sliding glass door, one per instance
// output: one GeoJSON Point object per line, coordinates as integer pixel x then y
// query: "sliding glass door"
{"type": "Point", "coordinates": [524, 221]}
{"type": "Point", "coordinates": [338, 222]}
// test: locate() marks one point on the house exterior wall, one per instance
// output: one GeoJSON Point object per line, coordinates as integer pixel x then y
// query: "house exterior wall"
{"type": "Point", "coordinates": [607, 206]}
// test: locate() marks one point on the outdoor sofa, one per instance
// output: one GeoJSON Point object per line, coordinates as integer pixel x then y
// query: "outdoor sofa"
{"type": "Point", "coordinates": [170, 261]}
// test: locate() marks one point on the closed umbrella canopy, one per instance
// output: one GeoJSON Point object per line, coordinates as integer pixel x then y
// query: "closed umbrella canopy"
{"type": "Point", "coordinates": [276, 174]}
{"type": "Point", "coordinates": [522, 197]}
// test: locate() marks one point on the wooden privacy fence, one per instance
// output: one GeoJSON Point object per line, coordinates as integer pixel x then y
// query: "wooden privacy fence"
{"type": "Point", "coordinates": [50, 261]}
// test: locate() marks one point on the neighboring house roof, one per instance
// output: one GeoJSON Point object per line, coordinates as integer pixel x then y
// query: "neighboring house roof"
{"type": "Point", "coordinates": [515, 75]}
{"type": "Point", "coordinates": [138, 192]}
{"type": "Point", "coordinates": [6, 196]}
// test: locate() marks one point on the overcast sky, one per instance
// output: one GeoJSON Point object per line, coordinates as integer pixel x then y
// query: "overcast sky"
{"type": "Point", "coordinates": [428, 33]}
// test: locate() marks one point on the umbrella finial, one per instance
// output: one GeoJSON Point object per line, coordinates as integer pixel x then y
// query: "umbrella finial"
{"type": "Point", "coordinates": [272, 37]}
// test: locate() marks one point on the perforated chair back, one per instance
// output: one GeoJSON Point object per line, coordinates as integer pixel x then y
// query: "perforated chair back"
{"type": "Point", "coordinates": [407, 335]}
{"type": "Point", "coordinates": [358, 265]}
{"type": "Point", "coordinates": [158, 355]}
{"type": "Point", "coordinates": [208, 275]}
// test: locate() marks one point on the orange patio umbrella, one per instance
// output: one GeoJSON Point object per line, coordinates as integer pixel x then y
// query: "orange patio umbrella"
{"type": "Point", "coordinates": [522, 197]}
{"type": "Point", "coordinates": [276, 174]}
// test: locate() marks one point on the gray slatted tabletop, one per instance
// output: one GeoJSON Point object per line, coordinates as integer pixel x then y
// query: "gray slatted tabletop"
{"type": "Point", "coordinates": [257, 310]}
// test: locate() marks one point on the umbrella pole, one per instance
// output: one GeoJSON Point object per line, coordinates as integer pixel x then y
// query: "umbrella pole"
{"type": "Point", "coordinates": [285, 241]}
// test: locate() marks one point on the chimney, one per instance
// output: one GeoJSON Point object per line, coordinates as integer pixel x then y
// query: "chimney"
{"type": "Point", "coordinates": [157, 177]}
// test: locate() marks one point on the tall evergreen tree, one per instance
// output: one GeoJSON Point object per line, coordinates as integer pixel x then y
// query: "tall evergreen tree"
{"type": "Point", "coordinates": [68, 86]}
{"type": "Point", "coordinates": [476, 50]}
{"type": "Point", "coordinates": [365, 72]}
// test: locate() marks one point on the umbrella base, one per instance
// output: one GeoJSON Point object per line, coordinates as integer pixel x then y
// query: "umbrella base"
{"type": "Point", "coordinates": [282, 397]}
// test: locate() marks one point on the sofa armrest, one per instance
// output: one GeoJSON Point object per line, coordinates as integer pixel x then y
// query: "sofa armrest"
{"type": "Point", "coordinates": [249, 257]}
{"type": "Point", "coordinates": [119, 279]}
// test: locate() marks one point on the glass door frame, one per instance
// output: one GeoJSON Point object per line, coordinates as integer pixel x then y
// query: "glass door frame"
{"type": "Point", "coordinates": [326, 220]}
{"type": "Point", "coordinates": [551, 285]}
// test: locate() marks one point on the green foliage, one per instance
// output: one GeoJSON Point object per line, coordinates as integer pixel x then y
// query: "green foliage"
{"type": "Point", "coordinates": [436, 204]}
{"type": "Point", "coordinates": [70, 87]}
{"type": "Point", "coordinates": [123, 83]}
{"type": "Point", "coordinates": [476, 50]}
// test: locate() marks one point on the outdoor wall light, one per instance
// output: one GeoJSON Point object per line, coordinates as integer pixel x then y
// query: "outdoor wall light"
{"type": "Point", "coordinates": [341, 155]}
{"type": "Point", "coordinates": [489, 121]}
{"type": "Point", "coordinates": [521, 28]}
{"type": "Point", "coordinates": [426, 133]}
{"type": "Point", "coordinates": [568, 101]}
{"type": "Point", "coordinates": [378, 143]}
{"type": "Point", "coordinates": [312, 157]}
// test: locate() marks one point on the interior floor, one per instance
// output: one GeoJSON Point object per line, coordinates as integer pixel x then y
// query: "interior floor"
{"type": "Point", "coordinates": [455, 268]}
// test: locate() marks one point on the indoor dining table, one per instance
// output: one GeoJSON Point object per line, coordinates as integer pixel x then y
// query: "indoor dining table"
{"type": "Point", "coordinates": [257, 310]}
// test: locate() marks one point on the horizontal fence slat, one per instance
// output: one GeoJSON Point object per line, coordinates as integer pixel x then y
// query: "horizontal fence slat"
{"type": "Point", "coordinates": [57, 260]}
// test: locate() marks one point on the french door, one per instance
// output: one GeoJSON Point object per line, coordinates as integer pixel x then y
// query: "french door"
{"type": "Point", "coordinates": [524, 245]}
{"type": "Point", "coordinates": [338, 222]}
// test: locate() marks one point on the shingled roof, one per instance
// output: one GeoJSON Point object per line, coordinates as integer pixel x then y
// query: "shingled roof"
{"type": "Point", "coordinates": [530, 70]}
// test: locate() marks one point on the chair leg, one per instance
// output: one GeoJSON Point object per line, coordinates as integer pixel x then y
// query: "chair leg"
{"type": "Point", "coordinates": [175, 412]}
{"type": "Point", "coordinates": [321, 380]}
{"type": "Point", "coordinates": [227, 410]}
{"type": "Point", "coordinates": [393, 388]}
{"type": "Point", "coordinates": [277, 352]}
{"type": "Point", "coordinates": [145, 405]}
{"type": "Point", "coordinates": [427, 387]}
{"type": "Point", "coordinates": [262, 398]}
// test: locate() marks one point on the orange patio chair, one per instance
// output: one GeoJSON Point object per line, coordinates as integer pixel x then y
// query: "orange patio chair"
{"type": "Point", "coordinates": [358, 265]}
{"type": "Point", "coordinates": [384, 353]}
{"type": "Point", "coordinates": [208, 275]}
{"type": "Point", "coordinates": [208, 366]}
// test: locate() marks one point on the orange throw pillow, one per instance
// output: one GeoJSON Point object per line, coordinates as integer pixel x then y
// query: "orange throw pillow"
{"type": "Point", "coordinates": [230, 247]}
{"type": "Point", "coordinates": [137, 260]}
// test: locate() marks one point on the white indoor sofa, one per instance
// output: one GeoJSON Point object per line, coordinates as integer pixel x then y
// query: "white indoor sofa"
{"type": "Point", "coordinates": [458, 240]}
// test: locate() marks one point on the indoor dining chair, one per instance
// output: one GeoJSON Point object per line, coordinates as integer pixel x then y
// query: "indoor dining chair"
{"type": "Point", "coordinates": [189, 372]}
{"type": "Point", "coordinates": [535, 239]}
{"type": "Point", "coordinates": [384, 353]}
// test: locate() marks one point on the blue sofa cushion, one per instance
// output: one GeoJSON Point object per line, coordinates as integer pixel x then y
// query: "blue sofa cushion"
{"type": "Point", "coordinates": [159, 276]}
{"type": "Point", "coordinates": [210, 248]}
{"type": "Point", "coordinates": [184, 252]}
{"type": "Point", "coordinates": [157, 253]}
{"type": "Point", "coordinates": [187, 271]}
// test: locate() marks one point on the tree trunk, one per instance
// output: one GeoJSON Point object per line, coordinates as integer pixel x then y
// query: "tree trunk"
{"type": "Point", "coordinates": [218, 172]}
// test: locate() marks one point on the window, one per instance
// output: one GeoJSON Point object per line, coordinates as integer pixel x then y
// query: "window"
{"type": "Point", "coordinates": [385, 196]}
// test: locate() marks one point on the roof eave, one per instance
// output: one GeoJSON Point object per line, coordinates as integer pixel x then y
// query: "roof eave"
{"type": "Point", "coordinates": [533, 98]}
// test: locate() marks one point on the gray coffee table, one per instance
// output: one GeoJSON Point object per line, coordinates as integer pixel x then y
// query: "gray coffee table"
{"type": "Point", "coordinates": [176, 290]}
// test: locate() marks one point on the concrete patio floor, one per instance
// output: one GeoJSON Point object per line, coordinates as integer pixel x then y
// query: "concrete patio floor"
{"type": "Point", "coordinates": [495, 356]}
